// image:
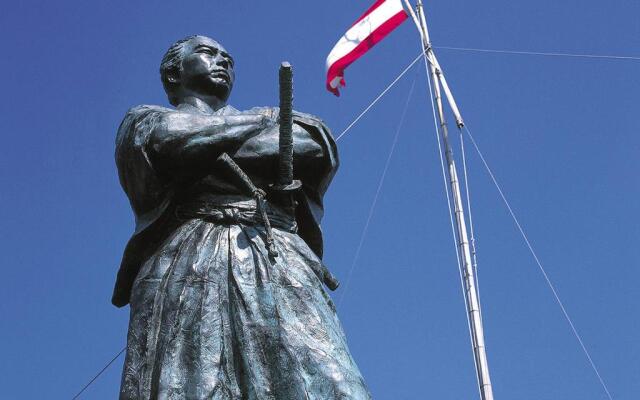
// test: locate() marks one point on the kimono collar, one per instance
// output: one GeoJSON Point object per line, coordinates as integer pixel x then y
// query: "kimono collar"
{"type": "Point", "coordinates": [195, 105]}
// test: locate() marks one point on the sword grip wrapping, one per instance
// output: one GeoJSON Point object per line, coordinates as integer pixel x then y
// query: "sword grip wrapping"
{"type": "Point", "coordinates": [285, 166]}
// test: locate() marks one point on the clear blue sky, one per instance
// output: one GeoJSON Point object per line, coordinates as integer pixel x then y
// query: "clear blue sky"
{"type": "Point", "coordinates": [560, 133]}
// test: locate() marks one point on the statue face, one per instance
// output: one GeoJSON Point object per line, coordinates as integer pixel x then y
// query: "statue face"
{"type": "Point", "coordinates": [207, 68]}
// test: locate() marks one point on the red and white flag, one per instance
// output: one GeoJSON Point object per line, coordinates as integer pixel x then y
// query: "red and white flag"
{"type": "Point", "coordinates": [372, 26]}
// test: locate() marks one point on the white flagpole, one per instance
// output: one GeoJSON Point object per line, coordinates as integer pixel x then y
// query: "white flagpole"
{"type": "Point", "coordinates": [471, 293]}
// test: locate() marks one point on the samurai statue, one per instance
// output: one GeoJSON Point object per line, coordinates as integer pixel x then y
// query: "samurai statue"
{"type": "Point", "coordinates": [223, 273]}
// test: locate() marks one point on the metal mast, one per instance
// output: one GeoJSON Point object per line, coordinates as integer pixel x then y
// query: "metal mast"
{"type": "Point", "coordinates": [471, 293]}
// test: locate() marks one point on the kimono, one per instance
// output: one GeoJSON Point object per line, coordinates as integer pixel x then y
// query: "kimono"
{"type": "Point", "coordinates": [212, 315]}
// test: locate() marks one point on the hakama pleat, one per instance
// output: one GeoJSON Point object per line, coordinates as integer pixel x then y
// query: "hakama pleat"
{"type": "Point", "coordinates": [212, 317]}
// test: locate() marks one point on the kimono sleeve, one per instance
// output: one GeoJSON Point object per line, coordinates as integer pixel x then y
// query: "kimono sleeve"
{"type": "Point", "coordinates": [147, 193]}
{"type": "Point", "coordinates": [309, 215]}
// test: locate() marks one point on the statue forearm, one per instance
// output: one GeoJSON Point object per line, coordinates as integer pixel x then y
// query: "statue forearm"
{"type": "Point", "coordinates": [266, 145]}
{"type": "Point", "coordinates": [185, 143]}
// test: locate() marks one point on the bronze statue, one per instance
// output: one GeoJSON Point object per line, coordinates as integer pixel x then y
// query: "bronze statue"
{"type": "Point", "coordinates": [223, 273]}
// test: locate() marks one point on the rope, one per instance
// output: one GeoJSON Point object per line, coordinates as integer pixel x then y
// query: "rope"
{"type": "Point", "coordinates": [537, 260]}
{"type": "Point", "coordinates": [474, 258]}
{"type": "Point", "coordinates": [99, 373]}
{"type": "Point", "coordinates": [380, 96]}
{"type": "Point", "coordinates": [451, 217]}
{"type": "Point", "coordinates": [378, 190]}
{"type": "Point", "coordinates": [539, 53]}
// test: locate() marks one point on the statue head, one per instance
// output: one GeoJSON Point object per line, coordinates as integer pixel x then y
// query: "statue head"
{"type": "Point", "coordinates": [197, 66]}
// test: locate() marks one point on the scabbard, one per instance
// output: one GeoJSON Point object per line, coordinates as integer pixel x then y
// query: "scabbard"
{"type": "Point", "coordinates": [328, 278]}
{"type": "Point", "coordinates": [244, 182]}
{"type": "Point", "coordinates": [238, 175]}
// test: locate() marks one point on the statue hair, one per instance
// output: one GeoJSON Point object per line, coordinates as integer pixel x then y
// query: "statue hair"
{"type": "Point", "coordinates": [171, 64]}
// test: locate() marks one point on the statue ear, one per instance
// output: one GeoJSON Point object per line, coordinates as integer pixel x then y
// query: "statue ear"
{"type": "Point", "coordinates": [173, 77]}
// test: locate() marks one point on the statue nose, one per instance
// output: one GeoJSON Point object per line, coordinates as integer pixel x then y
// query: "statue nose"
{"type": "Point", "coordinates": [223, 62]}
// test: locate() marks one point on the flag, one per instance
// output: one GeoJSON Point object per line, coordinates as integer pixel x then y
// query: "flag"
{"type": "Point", "coordinates": [372, 26]}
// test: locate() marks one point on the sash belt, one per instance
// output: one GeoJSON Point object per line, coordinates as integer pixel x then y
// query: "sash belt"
{"type": "Point", "coordinates": [231, 210]}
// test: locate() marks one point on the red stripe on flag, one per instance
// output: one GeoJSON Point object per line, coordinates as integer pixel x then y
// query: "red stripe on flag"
{"type": "Point", "coordinates": [338, 67]}
{"type": "Point", "coordinates": [371, 9]}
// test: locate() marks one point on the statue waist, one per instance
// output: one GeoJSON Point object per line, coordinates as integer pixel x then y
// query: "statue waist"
{"type": "Point", "coordinates": [234, 209]}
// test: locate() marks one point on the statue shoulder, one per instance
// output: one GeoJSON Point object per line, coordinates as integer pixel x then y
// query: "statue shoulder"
{"type": "Point", "coordinates": [316, 122]}
{"type": "Point", "coordinates": [137, 113]}
{"type": "Point", "coordinates": [138, 120]}
{"type": "Point", "coordinates": [308, 118]}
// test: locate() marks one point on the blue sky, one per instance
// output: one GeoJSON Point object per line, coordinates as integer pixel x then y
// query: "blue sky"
{"type": "Point", "coordinates": [560, 133]}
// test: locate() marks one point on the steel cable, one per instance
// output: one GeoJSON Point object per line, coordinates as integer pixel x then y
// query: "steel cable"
{"type": "Point", "coordinates": [537, 260]}
{"type": "Point", "coordinates": [377, 194]}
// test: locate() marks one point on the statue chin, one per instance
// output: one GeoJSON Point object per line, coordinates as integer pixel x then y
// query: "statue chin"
{"type": "Point", "coordinates": [220, 89]}
{"type": "Point", "coordinates": [216, 87]}
{"type": "Point", "coordinates": [221, 93]}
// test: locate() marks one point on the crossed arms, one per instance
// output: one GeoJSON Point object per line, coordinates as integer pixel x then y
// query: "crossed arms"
{"type": "Point", "coordinates": [182, 143]}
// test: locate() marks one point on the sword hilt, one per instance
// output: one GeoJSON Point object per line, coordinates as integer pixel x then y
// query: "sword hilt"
{"type": "Point", "coordinates": [285, 181]}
